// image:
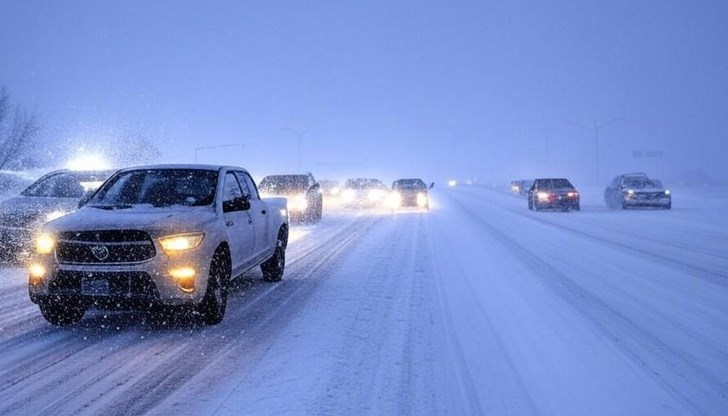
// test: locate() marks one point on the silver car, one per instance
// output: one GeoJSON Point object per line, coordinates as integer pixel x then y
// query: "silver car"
{"type": "Point", "coordinates": [53, 195]}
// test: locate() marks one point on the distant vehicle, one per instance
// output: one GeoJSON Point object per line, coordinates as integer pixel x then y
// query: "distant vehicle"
{"type": "Point", "coordinates": [330, 188]}
{"type": "Point", "coordinates": [633, 190]}
{"type": "Point", "coordinates": [305, 201]}
{"type": "Point", "coordinates": [364, 193]}
{"type": "Point", "coordinates": [556, 193]}
{"type": "Point", "coordinates": [53, 195]}
{"type": "Point", "coordinates": [521, 186]}
{"type": "Point", "coordinates": [158, 236]}
{"type": "Point", "coordinates": [409, 193]}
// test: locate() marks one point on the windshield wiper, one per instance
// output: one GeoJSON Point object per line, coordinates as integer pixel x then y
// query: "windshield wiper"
{"type": "Point", "coordinates": [110, 206]}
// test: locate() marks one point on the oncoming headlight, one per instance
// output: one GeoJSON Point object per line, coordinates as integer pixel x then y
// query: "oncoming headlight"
{"type": "Point", "coordinates": [394, 200]}
{"type": "Point", "coordinates": [181, 242]}
{"type": "Point", "coordinates": [421, 200]}
{"type": "Point", "coordinates": [542, 196]}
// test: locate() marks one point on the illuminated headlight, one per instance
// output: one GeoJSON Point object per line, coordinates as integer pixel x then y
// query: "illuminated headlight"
{"type": "Point", "coordinates": [421, 200]}
{"type": "Point", "coordinates": [44, 244]}
{"type": "Point", "coordinates": [37, 271]}
{"type": "Point", "coordinates": [572, 194]}
{"type": "Point", "coordinates": [667, 192]}
{"type": "Point", "coordinates": [394, 200]}
{"type": "Point", "coordinates": [181, 242]}
{"type": "Point", "coordinates": [55, 214]}
{"type": "Point", "coordinates": [543, 196]}
{"type": "Point", "coordinates": [514, 188]}
{"type": "Point", "coordinates": [348, 195]}
{"type": "Point", "coordinates": [297, 203]}
{"type": "Point", "coordinates": [335, 191]}
{"type": "Point", "coordinates": [630, 192]}
{"type": "Point", "coordinates": [374, 194]}
{"type": "Point", "coordinates": [452, 182]}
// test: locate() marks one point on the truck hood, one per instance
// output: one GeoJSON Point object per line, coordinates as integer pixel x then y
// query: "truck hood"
{"type": "Point", "coordinates": [155, 221]}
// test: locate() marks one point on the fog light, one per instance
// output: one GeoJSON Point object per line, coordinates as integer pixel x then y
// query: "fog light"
{"type": "Point", "coordinates": [185, 277]}
{"type": "Point", "coordinates": [37, 273]}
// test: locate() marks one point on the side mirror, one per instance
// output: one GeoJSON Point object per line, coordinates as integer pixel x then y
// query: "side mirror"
{"type": "Point", "coordinates": [240, 203]}
{"type": "Point", "coordinates": [432, 185]}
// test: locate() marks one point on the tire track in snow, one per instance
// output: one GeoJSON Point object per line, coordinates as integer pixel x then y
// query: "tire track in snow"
{"type": "Point", "coordinates": [618, 328]}
{"type": "Point", "coordinates": [104, 371]}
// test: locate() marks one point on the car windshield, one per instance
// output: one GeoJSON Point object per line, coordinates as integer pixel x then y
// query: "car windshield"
{"type": "Point", "coordinates": [409, 184]}
{"type": "Point", "coordinates": [554, 184]}
{"type": "Point", "coordinates": [283, 184]}
{"type": "Point", "coordinates": [66, 184]}
{"type": "Point", "coordinates": [361, 184]}
{"type": "Point", "coordinates": [639, 183]}
{"type": "Point", "coordinates": [158, 187]}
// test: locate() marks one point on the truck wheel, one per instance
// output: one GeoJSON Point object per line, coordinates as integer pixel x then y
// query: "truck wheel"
{"type": "Point", "coordinates": [273, 267]}
{"type": "Point", "coordinates": [212, 307]}
{"type": "Point", "coordinates": [62, 313]}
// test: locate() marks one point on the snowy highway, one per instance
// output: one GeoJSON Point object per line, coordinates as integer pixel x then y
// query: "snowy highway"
{"type": "Point", "coordinates": [478, 307]}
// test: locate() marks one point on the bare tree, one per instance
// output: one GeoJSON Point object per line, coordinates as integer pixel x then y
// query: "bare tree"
{"type": "Point", "coordinates": [17, 133]}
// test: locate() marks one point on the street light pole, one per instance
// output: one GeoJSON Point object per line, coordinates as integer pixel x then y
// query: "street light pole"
{"type": "Point", "coordinates": [300, 134]}
{"type": "Point", "coordinates": [596, 127]}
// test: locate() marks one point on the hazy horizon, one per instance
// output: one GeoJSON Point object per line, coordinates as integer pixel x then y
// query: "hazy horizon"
{"type": "Point", "coordinates": [488, 90]}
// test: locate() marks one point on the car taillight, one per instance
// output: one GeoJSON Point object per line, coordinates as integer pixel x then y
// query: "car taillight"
{"type": "Point", "coordinates": [572, 194]}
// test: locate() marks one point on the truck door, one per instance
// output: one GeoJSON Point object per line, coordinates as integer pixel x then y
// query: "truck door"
{"type": "Point", "coordinates": [240, 229]}
{"type": "Point", "coordinates": [260, 215]}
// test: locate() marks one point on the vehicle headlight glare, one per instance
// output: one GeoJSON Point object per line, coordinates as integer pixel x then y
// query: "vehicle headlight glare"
{"type": "Point", "coordinates": [374, 194]}
{"type": "Point", "coordinates": [298, 203]}
{"type": "Point", "coordinates": [348, 195]}
{"type": "Point", "coordinates": [421, 200]}
{"type": "Point", "coordinates": [181, 242]}
{"type": "Point", "coordinates": [667, 192]}
{"type": "Point", "coordinates": [542, 196]}
{"type": "Point", "coordinates": [394, 199]}
{"type": "Point", "coordinates": [44, 244]}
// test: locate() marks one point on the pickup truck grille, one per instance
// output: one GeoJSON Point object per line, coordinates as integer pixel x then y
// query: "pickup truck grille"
{"type": "Point", "coordinates": [132, 285]}
{"type": "Point", "coordinates": [104, 247]}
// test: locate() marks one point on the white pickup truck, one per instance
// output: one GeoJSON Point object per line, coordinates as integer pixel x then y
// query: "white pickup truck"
{"type": "Point", "coordinates": [161, 235]}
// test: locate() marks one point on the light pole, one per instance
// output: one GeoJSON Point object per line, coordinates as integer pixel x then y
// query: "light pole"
{"type": "Point", "coordinates": [596, 127]}
{"type": "Point", "coordinates": [300, 134]}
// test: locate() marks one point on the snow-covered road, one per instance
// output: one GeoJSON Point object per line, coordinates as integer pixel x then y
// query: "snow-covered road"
{"type": "Point", "coordinates": [478, 307]}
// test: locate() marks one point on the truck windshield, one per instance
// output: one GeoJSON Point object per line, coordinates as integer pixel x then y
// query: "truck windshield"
{"type": "Point", "coordinates": [158, 187]}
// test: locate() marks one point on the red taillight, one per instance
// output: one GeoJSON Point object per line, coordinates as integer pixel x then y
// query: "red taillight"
{"type": "Point", "coordinates": [572, 194]}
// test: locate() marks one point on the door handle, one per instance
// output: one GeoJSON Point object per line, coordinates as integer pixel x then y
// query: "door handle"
{"type": "Point", "coordinates": [229, 223]}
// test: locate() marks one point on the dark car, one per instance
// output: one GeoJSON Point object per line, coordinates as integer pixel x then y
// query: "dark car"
{"type": "Point", "coordinates": [364, 193]}
{"type": "Point", "coordinates": [634, 190]}
{"type": "Point", "coordinates": [409, 193]}
{"type": "Point", "coordinates": [53, 195]}
{"type": "Point", "coordinates": [305, 202]}
{"type": "Point", "coordinates": [553, 193]}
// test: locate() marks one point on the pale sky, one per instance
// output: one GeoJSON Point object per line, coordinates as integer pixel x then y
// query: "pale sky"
{"type": "Point", "coordinates": [495, 90]}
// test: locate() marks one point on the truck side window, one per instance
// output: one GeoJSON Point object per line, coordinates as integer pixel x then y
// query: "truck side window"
{"type": "Point", "coordinates": [231, 188]}
{"type": "Point", "coordinates": [247, 181]}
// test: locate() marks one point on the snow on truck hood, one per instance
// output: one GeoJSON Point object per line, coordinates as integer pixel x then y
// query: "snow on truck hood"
{"type": "Point", "coordinates": [156, 221]}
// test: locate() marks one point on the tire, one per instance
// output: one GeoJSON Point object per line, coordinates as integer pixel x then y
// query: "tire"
{"type": "Point", "coordinates": [530, 204]}
{"type": "Point", "coordinates": [535, 206]}
{"type": "Point", "coordinates": [274, 267]}
{"type": "Point", "coordinates": [62, 313]}
{"type": "Point", "coordinates": [669, 205]}
{"type": "Point", "coordinates": [213, 304]}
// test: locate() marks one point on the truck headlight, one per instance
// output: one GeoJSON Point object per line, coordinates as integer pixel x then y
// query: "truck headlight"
{"type": "Point", "coordinates": [45, 243]}
{"type": "Point", "coordinates": [181, 242]}
{"type": "Point", "coordinates": [421, 200]}
{"type": "Point", "coordinates": [543, 196]}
